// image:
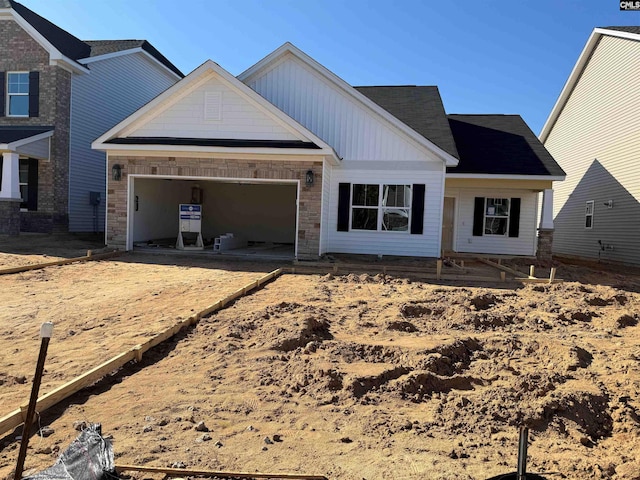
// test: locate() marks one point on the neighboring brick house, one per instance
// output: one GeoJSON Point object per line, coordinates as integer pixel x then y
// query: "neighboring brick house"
{"type": "Point", "coordinates": [51, 86]}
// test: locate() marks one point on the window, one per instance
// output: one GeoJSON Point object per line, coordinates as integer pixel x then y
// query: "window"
{"type": "Point", "coordinates": [496, 216]}
{"type": "Point", "coordinates": [588, 215]}
{"type": "Point", "coordinates": [18, 94]}
{"type": "Point", "coordinates": [381, 207]}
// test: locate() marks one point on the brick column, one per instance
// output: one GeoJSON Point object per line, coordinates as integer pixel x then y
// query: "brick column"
{"type": "Point", "coordinates": [545, 244]}
{"type": "Point", "coordinates": [10, 215]}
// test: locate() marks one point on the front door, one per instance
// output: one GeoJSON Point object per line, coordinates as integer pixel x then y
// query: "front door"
{"type": "Point", "coordinates": [448, 214]}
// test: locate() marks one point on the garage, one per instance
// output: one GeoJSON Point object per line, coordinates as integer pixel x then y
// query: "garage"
{"type": "Point", "coordinates": [260, 214]}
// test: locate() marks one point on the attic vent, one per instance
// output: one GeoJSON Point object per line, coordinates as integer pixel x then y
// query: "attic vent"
{"type": "Point", "coordinates": [213, 106]}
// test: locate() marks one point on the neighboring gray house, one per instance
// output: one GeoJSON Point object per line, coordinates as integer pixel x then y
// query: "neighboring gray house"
{"type": "Point", "coordinates": [592, 132]}
{"type": "Point", "coordinates": [57, 94]}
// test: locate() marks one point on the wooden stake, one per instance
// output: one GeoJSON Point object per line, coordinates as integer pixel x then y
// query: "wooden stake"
{"type": "Point", "coordinates": [184, 472]}
{"type": "Point", "coordinates": [503, 276]}
{"type": "Point", "coordinates": [45, 333]}
{"type": "Point", "coordinates": [438, 269]}
{"type": "Point", "coordinates": [552, 275]}
{"type": "Point", "coordinates": [532, 270]}
{"type": "Point", "coordinates": [462, 263]}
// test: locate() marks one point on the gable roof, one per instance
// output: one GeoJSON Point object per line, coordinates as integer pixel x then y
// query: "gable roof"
{"type": "Point", "coordinates": [420, 108]}
{"type": "Point", "coordinates": [290, 49]}
{"type": "Point", "coordinates": [117, 138]}
{"type": "Point", "coordinates": [500, 145]}
{"type": "Point", "coordinates": [70, 46]}
{"type": "Point", "coordinates": [75, 49]}
{"type": "Point", "coordinates": [630, 33]}
{"type": "Point", "coordinates": [105, 47]}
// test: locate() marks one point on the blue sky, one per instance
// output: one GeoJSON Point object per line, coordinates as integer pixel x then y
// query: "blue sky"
{"type": "Point", "coordinates": [486, 56]}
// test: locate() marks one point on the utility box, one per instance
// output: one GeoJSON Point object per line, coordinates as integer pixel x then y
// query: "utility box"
{"type": "Point", "coordinates": [94, 198]}
{"type": "Point", "coordinates": [190, 218]}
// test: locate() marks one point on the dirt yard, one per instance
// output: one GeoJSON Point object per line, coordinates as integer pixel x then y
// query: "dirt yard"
{"type": "Point", "coordinates": [354, 376]}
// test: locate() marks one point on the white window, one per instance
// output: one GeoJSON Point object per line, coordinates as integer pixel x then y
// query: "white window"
{"type": "Point", "coordinates": [381, 207]}
{"type": "Point", "coordinates": [496, 216]}
{"type": "Point", "coordinates": [588, 215]}
{"type": "Point", "coordinates": [18, 94]}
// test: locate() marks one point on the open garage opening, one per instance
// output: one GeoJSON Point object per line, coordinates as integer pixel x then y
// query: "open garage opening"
{"type": "Point", "coordinates": [260, 215]}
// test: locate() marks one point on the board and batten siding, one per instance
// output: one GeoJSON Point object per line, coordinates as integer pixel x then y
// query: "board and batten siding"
{"type": "Point", "coordinates": [239, 118]}
{"type": "Point", "coordinates": [466, 242]}
{"type": "Point", "coordinates": [595, 140]}
{"type": "Point", "coordinates": [352, 129]}
{"type": "Point", "coordinates": [426, 244]}
{"type": "Point", "coordinates": [115, 88]}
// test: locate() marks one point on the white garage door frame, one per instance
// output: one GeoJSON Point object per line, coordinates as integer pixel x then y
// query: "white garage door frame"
{"type": "Point", "coordinates": [131, 194]}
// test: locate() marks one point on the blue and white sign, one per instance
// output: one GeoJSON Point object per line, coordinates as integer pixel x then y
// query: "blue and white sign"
{"type": "Point", "coordinates": [190, 218]}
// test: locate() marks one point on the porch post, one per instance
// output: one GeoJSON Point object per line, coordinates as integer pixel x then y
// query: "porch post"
{"type": "Point", "coordinates": [10, 188]}
{"type": "Point", "coordinates": [545, 230]}
{"type": "Point", "coordinates": [546, 219]}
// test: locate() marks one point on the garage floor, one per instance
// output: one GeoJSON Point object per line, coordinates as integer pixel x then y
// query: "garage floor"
{"type": "Point", "coordinates": [268, 251]}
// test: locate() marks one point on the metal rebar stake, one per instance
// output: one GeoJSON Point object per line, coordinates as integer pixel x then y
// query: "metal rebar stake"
{"type": "Point", "coordinates": [46, 330]}
{"type": "Point", "coordinates": [522, 453]}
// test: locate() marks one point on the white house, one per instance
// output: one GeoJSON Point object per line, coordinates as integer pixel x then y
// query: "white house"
{"type": "Point", "coordinates": [289, 153]}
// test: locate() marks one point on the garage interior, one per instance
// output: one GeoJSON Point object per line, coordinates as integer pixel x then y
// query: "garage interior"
{"type": "Point", "coordinates": [260, 215]}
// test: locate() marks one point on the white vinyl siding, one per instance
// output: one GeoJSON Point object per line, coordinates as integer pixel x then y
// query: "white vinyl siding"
{"type": "Point", "coordinates": [213, 110]}
{"type": "Point", "coordinates": [389, 243]}
{"type": "Point", "coordinates": [352, 129]}
{"type": "Point", "coordinates": [115, 88]}
{"type": "Point", "coordinates": [595, 140]}
{"type": "Point", "coordinates": [465, 242]}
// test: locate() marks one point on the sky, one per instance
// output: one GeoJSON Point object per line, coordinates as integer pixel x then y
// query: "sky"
{"type": "Point", "coordinates": [485, 56]}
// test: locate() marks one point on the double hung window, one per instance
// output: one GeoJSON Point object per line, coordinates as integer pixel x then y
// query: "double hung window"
{"type": "Point", "coordinates": [381, 207]}
{"type": "Point", "coordinates": [496, 216]}
{"type": "Point", "coordinates": [18, 94]}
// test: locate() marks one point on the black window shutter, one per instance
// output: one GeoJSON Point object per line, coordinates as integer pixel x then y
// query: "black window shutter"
{"type": "Point", "coordinates": [478, 217]}
{"type": "Point", "coordinates": [514, 218]}
{"type": "Point", "coordinates": [3, 96]}
{"type": "Point", "coordinates": [417, 209]}
{"type": "Point", "coordinates": [344, 200]}
{"type": "Point", "coordinates": [32, 200]}
{"type": "Point", "coordinates": [34, 94]}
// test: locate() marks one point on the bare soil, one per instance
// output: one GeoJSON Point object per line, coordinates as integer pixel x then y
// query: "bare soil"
{"type": "Point", "coordinates": [352, 376]}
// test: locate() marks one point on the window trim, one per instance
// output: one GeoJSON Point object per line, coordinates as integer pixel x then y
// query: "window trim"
{"type": "Point", "coordinates": [8, 94]}
{"type": "Point", "coordinates": [485, 216]}
{"type": "Point", "coordinates": [589, 215]}
{"type": "Point", "coordinates": [381, 208]}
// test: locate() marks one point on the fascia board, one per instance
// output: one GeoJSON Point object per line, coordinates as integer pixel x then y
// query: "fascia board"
{"type": "Point", "coordinates": [571, 82]}
{"type": "Point", "coordinates": [130, 51]}
{"type": "Point", "coordinates": [227, 152]}
{"type": "Point", "coordinates": [246, 77]}
{"type": "Point", "coordinates": [487, 176]}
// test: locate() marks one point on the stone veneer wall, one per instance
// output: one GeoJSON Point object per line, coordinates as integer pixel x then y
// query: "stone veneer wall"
{"type": "Point", "coordinates": [20, 52]}
{"type": "Point", "coordinates": [545, 244]}
{"type": "Point", "coordinates": [309, 201]}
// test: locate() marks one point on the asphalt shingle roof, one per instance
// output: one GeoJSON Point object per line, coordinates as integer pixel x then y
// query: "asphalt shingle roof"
{"type": "Point", "coordinates": [103, 47]}
{"type": "Point", "coordinates": [499, 145]}
{"type": "Point", "coordinates": [634, 29]}
{"type": "Point", "coordinates": [13, 134]}
{"type": "Point", "coordinates": [418, 107]}
{"type": "Point", "coordinates": [76, 49]}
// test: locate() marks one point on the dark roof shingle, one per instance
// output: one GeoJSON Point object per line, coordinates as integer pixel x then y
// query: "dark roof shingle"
{"type": "Point", "coordinates": [499, 145]}
{"type": "Point", "coordinates": [631, 29]}
{"type": "Point", "coordinates": [103, 47]}
{"type": "Point", "coordinates": [11, 134]}
{"type": "Point", "coordinates": [419, 108]}
{"type": "Point", "coordinates": [67, 44]}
